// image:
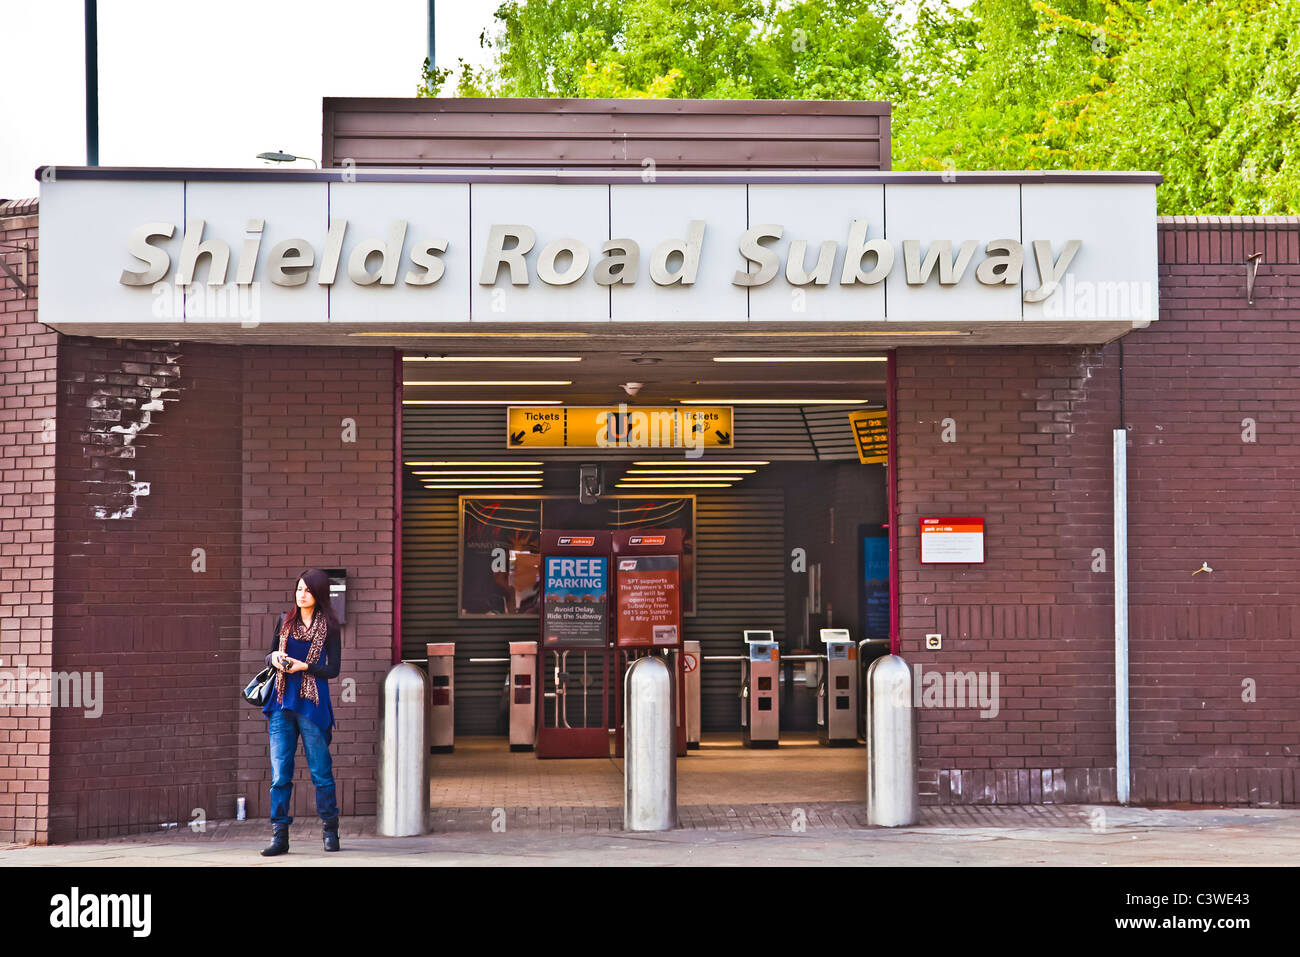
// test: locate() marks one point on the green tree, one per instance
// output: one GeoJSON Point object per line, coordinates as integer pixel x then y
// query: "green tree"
{"type": "Point", "coordinates": [1206, 93]}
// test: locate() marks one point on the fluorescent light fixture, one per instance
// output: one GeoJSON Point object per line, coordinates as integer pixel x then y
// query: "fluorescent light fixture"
{"type": "Point", "coordinates": [479, 335]}
{"type": "Point", "coordinates": [800, 359]}
{"type": "Point", "coordinates": [885, 333]}
{"type": "Point", "coordinates": [774, 401]}
{"type": "Point", "coordinates": [736, 473]}
{"type": "Point", "coordinates": [472, 462]}
{"type": "Point", "coordinates": [521, 473]}
{"type": "Point", "coordinates": [484, 488]}
{"type": "Point", "coordinates": [635, 487]}
{"type": "Point", "coordinates": [705, 462]}
{"type": "Point", "coordinates": [491, 358]}
{"type": "Point", "coordinates": [480, 402]}
{"type": "Point", "coordinates": [488, 382]}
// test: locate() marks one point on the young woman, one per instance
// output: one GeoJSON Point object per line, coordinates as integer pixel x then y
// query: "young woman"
{"type": "Point", "coordinates": [305, 651]}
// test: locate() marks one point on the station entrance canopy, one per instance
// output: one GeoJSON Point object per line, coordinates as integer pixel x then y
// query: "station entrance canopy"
{"type": "Point", "coordinates": [368, 256]}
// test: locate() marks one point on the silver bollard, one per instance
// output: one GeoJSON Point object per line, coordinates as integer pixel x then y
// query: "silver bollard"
{"type": "Point", "coordinates": [649, 742]}
{"type": "Point", "coordinates": [403, 753]}
{"type": "Point", "coordinates": [891, 744]}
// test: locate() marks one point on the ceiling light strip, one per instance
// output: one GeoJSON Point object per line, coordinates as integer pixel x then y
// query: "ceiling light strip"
{"type": "Point", "coordinates": [491, 358]}
{"type": "Point", "coordinates": [486, 382]}
{"type": "Point", "coordinates": [800, 359]}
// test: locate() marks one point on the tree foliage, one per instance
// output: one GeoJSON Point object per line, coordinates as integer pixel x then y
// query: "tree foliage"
{"type": "Point", "coordinates": [1206, 93]}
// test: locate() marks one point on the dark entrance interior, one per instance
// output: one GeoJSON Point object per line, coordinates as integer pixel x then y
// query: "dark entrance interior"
{"type": "Point", "coordinates": [786, 530]}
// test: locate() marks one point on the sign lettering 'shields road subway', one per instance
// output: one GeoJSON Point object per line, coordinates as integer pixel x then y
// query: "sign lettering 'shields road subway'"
{"type": "Point", "coordinates": [562, 262]}
{"type": "Point", "coordinates": [374, 258]}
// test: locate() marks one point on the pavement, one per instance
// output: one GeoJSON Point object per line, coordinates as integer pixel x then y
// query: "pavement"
{"type": "Point", "coordinates": [491, 807]}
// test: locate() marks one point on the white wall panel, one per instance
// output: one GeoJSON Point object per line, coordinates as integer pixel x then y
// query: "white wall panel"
{"type": "Point", "coordinates": [84, 229]}
{"type": "Point", "coordinates": [555, 212]}
{"type": "Point", "coordinates": [651, 213]}
{"type": "Point", "coordinates": [956, 212]}
{"type": "Point", "coordinates": [815, 214]}
{"type": "Point", "coordinates": [431, 210]}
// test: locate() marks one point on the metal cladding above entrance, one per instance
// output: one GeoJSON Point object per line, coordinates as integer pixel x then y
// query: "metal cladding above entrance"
{"type": "Point", "coordinates": [373, 257]}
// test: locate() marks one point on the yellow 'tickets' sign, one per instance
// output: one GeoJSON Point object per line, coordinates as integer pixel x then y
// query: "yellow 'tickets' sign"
{"type": "Point", "coordinates": [619, 427]}
{"type": "Point", "coordinates": [871, 432]}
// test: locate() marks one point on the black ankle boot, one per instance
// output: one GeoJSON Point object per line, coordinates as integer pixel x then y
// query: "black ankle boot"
{"type": "Point", "coordinates": [329, 833]}
{"type": "Point", "coordinates": [279, 841]}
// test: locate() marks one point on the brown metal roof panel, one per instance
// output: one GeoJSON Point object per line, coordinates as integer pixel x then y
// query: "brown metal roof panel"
{"type": "Point", "coordinates": [707, 154]}
{"type": "Point", "coordinates": [654, 124]}
{"type": "Point", "coordinates": [696, 134]}
{"type": "Point", "coordinates": [564, 105]}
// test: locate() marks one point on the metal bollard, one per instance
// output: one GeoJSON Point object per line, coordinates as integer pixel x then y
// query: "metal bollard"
{"type": "Point", "coordinates": [650, 744]}
{"type": "Point", "coordinates": [403, 753]}
{"type": "Point", "coordinates": [891, 744]}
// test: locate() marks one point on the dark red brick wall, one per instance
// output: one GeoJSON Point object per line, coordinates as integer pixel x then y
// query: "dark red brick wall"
{"type": "Point", "coordinates": [1033, 456]}
{"type": "Point", "coordinates": [243, 453]}
{"type": "Point", "coordinates": [310, 498]}
{"type": "Point", "coordinates": [1199, 493]}
{"type": "Point", "coordinates": [28, 353]}
{"type": "Point", "coordinates": [148, 585]}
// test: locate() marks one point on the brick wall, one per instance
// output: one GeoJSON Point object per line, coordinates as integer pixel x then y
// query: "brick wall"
{"type": "Point", "coordinates": [27, 428]}
{"type": "Point", "coordinates": [1032, 454]}
{"type": "Point", "coordinates": [148, 584]}
{"type": "Point", "coordinates": [195, 483]}
{"type": "Point", "coordinates": [1203, 645]}
{"type": "Point", "coordinates": [318, 491]}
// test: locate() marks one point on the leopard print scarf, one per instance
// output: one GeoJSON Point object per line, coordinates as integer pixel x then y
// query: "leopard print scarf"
{"type": "Point", "coordinates": [316, 636]}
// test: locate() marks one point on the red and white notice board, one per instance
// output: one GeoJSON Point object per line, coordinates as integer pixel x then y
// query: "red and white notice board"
{"type": "Point", "coordinates": [952, 541]}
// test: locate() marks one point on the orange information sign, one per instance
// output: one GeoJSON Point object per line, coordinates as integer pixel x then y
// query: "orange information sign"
{"type": "Point", "coordinates": [950, 541]}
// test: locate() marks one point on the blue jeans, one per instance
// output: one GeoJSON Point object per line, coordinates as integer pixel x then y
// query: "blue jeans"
{"type": "Point", "coordinates": [285, 727]}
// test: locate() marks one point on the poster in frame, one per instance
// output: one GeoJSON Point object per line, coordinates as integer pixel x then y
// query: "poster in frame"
{"type": "Point", "coordinates": [498, 559]}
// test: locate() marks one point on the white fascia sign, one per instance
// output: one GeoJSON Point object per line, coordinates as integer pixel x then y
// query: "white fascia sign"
{"type": "Point", "coordinates": [132, 255]}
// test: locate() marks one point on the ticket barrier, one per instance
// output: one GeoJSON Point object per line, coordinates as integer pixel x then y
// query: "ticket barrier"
{"type": "Point", "coordinates": [760, 709]}
{"type": "Point", "coordinates": [692, 659]}
{"type": "Point", "coordinates": [837, 690]}
{"type": "Point", "coordinates": [442, 697]}
{"type": "Point", "coordinates": [521, 691]}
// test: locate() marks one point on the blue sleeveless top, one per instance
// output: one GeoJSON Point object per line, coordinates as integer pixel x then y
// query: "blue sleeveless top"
{"type": "Point", "coordinates": [322, 714]}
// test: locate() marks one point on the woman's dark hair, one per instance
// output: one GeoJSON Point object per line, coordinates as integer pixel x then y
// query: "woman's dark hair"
{"type": "Point", "coordinates": [318, 583]}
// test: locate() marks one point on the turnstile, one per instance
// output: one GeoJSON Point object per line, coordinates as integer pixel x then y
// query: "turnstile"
{"type": "Point", "coordinates": [837, 691]}
{"type": "Point", "coordinates": [442, 697]}
{"type": "Point", "coordinates": [523, 688]}
{"type": "Point", "coordinates": [691, 661]}
{"type": "Point", "coordinates": [760, 711]}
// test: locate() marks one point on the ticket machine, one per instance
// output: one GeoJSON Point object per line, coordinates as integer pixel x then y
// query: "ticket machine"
{"type": "Point", "coordinates": [760, 710]}
{"type": "Point", "coordinates": [837, 692]}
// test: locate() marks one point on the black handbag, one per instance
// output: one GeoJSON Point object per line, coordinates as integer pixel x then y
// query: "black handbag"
{"type": "Point", "coordinates": [258, 691]}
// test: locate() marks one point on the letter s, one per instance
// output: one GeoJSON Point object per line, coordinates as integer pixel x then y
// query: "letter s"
{"type": "Point", "coordinates": [156, 259]}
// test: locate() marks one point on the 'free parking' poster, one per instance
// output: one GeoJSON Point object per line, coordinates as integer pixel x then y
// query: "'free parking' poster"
{"type": "Point", "coordinates": [576, 606]}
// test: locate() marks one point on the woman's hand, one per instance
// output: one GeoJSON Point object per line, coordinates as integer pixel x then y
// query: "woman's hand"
{"type": "Point", "coordinates": [282, 661]}
{"type": "Point", "coordinates": [292, 665]}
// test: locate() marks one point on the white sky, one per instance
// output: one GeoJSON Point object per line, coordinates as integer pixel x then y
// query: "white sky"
{"type": "Point", "coordinates": [206, 82]}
